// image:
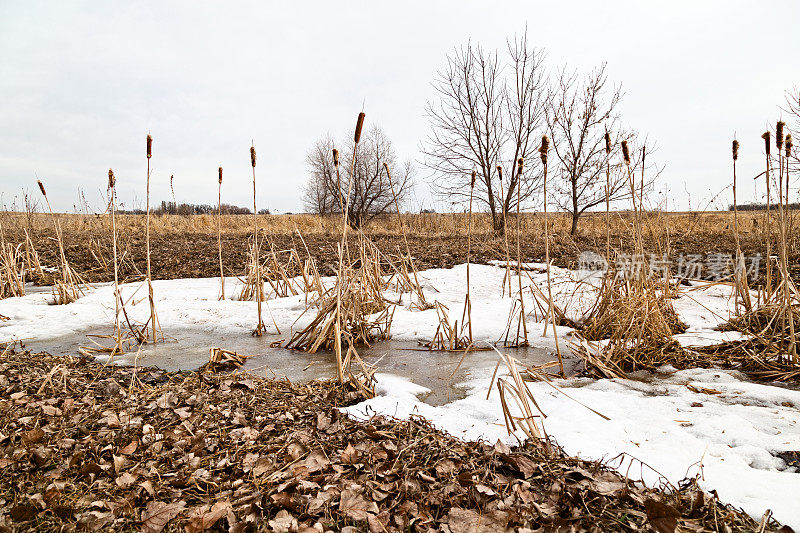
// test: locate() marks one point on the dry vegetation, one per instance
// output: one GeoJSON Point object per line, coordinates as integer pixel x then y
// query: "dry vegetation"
{"type": "Point", "coordinates": [85, 447]}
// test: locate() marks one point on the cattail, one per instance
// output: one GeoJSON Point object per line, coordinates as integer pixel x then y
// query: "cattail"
{"type": "Point", "coordinates": [149, 146]}
{"type": "Point", "coordinates": [520, 166]}
{"type": "Point", "coordinates": [220, 175]}
{"type": "Point", "coordinates": [111, 179]}
{"type": "Point", "coordinates": [500, 172]}
{"type": "Point", "coordinates": [472, 182]}
{"type": "Point", "coordinates": [335, 157]}
{"type": "Point", "coordinates": [359, 125]}
{"type": "Point", "coordinates": [779, 134]}
{"type": "Point", "coordinates": [735, 149]}
{"type": "Point", "coordinates": [544, 148]}
{"type": "Point", "coordinates": [765, 136]}
{"type": "Point", "coordinates": [789, 145]}
{"type": "Point", "coordinates": [253, 156]}
{"type": "Point", "coordinates": [41, 187]}
{"type": "Point", "coordinates": [608, 143]}
{"type": "Point", "coordinates": [626, 155]}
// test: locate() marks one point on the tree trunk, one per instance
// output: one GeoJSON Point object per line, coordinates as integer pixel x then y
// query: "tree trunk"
{"type": "Point", "coordinates": [575, 212]}
{"type": "Point", "coordinates": [574, 229]}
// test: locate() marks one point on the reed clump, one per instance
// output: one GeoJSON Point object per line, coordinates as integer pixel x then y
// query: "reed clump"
{"type": "Point", "coordinates": [631, 324]}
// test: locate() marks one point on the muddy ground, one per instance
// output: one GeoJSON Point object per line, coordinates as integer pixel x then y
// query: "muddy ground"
{"type": "Point", "coordinates": [187, 255]}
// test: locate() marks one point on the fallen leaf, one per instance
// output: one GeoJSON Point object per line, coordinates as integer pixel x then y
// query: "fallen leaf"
{"type": "Point", "coordinates": [157, 514]}
{"type": "Point", "coordinates": [662, 517]}
{"type": "Point", "coordinates": [469, 521]}
{"type": "Point", "coordinates": [355, 505]}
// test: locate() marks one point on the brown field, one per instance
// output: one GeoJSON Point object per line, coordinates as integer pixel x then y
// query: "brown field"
{"type": "Point", "coordinates": [186, 246]}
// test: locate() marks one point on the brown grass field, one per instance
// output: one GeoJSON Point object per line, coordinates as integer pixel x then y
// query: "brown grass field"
{"type": "Point", "coordinates": [186, 246]}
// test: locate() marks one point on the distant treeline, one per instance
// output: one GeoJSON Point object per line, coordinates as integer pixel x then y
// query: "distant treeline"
{"type": "Point", "coordinates": [172, 208]}
{"type": "Point", "coordinates": [760, 207]}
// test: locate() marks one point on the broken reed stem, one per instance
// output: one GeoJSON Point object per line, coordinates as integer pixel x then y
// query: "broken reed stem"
{"type": "Point", "coordinates": [153, 319]}
{"type": "Point", "coordinates": [219, 237]}
{"type": "Point", "coordinates": [543, 153]}
{"type": "Point", "coordinates": [69, 292]}
{"type": "Point", "coordinates": [112, 182]}
{"type": "Point", "coordinates": [520, 167]}
{"type": "Point", "coordinates": [260, 328]}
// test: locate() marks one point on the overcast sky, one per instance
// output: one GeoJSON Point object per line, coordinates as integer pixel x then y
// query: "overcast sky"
{"type": "Point", "coordinates": [81, 84]}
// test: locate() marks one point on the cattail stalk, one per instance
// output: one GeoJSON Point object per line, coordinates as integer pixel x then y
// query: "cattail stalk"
{"type": "Point", "coordinates": [767, 228]}
{"type": "Point", "coordinates": [341, 249]}
{"type": "Point", "coordinates": [740, 274]}
{"type": "Point", "coordinates": [260, 328]}
{"type": "Point", "coordinates": [520, 168]}
{"type": "Point", "coordinates": [543, 154]}
{"type": "Point", "coordinates": [608, 196]}
{"type": "Point", "coordinates": [153, 318]}
{"type": "Point", "coordinates": [505, 232]}
{"type": "Point", "coordinates": [112, 182]}
{"type": "Point", "coordinates": [790, 310]}
{"type": "Point", "coordinates": [219, 237]}
{"type": "Point", "coordinates": [468, 300]}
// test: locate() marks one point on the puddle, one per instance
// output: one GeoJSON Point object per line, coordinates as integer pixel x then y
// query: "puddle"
{"type": "Point", "coordinates": [188, 349]}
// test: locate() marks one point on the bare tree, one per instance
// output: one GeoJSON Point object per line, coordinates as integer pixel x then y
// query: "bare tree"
{"type": "Point", "coordinates": [579, 112]}
{"type": "Point", "coordinates": [486, 117]}
{"type": "Point", "coordinates": [372, 191]}
{"type": "Point", "coordinates": [792, 108]}
{"type": "Point", "coordinates": [319, 191]}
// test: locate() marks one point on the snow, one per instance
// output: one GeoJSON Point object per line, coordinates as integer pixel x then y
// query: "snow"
{"type": "Point", "coordinates": [728, 438]}
{"type": "Point", "coordinates": [724, 428]}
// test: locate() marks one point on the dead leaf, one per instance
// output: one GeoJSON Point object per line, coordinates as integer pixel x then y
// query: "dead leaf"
{"type": "Point", "coordinates": [469, 521]}
{"type": "Point", "coordinates": [283, 522]}
{"type": "Point", "coordinates": [351, 456]}
{"type": "Point", "coordinates": [158, 514]}
{"type": "Point", "coordinates": [662, 517]}
{"type": "Point", "coordinates": [125, 480]}
{"type": "Point", "coordinates": [205, 520]}
{"type": "Point", "coordinates": [355, 505]}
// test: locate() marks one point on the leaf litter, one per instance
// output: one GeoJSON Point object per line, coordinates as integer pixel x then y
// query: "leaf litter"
{"type": "Point", "coordinates": [86, 447]}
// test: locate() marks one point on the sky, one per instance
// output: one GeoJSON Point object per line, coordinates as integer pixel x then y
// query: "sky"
{"type": "Point", "coordinates": [82, 83]}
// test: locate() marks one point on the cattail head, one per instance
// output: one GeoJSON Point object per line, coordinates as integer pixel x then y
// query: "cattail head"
{"type": "Point", "coordinates": [626, 154]}
{"type": "Point", "coordinates": [789, 145]}
{"type": "Point", "coordinates": [220, 175]}
{"type": "Point", "coordinates": [253, 156]}
{"type": "Point", "coordinates": [520, 166]}
{"type": "Point", "coordinates": [335, 157]}
{"type": "Point", "coordinates": [149, 146]}
{"type": "Point", "coordinates": [500, 172]}
{"type": "Point", "coordinates": [735, 149]}
{"type": "Point", "coordinates": [472, 182]}
{"type": "Point", "coordinates": [544, 148]}
{"type": "Point", "coordinates": [765, 136]}
{"type": "Point", "coordinates": [779, 135]}
{"type": "Point", "coordinates": [608, 143]}
{"type": "Point", "coordinates": [111, 179]}
{"type": "Point", "coordinates": [359, 125]}
{"type": "Point", "coordinates": [41, 187]}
